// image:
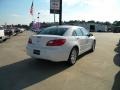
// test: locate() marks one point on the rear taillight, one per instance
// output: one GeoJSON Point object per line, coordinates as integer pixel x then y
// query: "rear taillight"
{"type": "Point", "coordinates": [57, 42]}
{"type": "Point", "coordinates": [30, 41]}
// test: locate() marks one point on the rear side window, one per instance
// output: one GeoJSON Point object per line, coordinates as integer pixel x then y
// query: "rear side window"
{"type": "Point", "coordinates": [54, 31]}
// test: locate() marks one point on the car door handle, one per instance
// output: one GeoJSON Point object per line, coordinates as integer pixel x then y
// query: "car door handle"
{"type": "Point", "coordinates": [77, 38]}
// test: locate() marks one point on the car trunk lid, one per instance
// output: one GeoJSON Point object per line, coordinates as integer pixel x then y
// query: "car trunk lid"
{"type": "Point", "coordinates": [42, 40]}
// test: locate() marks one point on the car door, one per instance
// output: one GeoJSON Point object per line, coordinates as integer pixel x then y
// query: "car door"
{"type": "Point", "coordinates": [79, 38]}
{"type": "Point", "coordinates": [87, 44]}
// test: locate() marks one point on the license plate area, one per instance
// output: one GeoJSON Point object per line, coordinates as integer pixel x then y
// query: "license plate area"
{"type": "Point", "coordinates": [37, 52]}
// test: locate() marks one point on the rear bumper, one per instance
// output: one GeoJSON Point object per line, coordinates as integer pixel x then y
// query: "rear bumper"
{"type": "Point", "coordinates": [56, 55]}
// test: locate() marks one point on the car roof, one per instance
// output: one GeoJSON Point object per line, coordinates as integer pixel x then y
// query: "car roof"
{"type": "Point", "coordinates": [66, 26]}
{"type": "Point", "coordinates": [70, 28]}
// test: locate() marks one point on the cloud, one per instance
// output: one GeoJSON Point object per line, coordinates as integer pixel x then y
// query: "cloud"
{"type": "Point", "coordinates": [104, 10]}
{"type": "Point", "coordinates": [45, 16]}
{"type": "Point", "coordinates": [71, 2]}
{"type": "Point", "coordinates": [99, 10]}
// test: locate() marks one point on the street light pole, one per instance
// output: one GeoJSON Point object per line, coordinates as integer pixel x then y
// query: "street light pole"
{"type": "Point", "coordinates": [38, 19]}
{"type": "Point", "coordinates": [54, 14]}
{"type": "Point", "coordinates": [60, 14]}
{"type": "Point", "coordinates": [38, 16]}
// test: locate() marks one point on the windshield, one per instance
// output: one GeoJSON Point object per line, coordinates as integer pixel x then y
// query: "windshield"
{"type": "Point", "coordinates": [54, 31]}
{"type": "Point", "coordinates": [1, 28]}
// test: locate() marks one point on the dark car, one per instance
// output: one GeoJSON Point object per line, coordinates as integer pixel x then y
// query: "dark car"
{"type": "Point", "coordinates": [17, 30]}
{"type": "Point", "coordinates": [8, 32]}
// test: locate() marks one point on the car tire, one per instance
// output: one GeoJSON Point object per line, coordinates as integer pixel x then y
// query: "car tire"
{"type": "Point", "coordinates": [93, 47]}
{"type": "Point", "coordinates": [73, 56]}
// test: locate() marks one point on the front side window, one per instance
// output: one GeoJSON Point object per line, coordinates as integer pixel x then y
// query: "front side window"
{"type": "Point", "coordinates": [74, 33]}
{"type": "Point", "coordinates": [79, 32]}
{"type": "Point", "coordinates": [85, 32]}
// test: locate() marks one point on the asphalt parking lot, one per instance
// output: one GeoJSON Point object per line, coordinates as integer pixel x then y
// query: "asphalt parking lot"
{"type": "Point", "coordinates": [99, 70]}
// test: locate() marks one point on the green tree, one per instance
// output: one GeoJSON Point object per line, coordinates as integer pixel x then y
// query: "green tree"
{"type": "Point", "coordinates": [116, 23]}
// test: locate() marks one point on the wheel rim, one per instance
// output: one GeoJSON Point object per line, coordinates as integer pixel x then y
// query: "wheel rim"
{"type": "Point", "coordinates": [73, 56]}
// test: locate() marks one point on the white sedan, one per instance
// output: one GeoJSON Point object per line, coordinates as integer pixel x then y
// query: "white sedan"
{"type": "Point", "coordinates": [61, 43]}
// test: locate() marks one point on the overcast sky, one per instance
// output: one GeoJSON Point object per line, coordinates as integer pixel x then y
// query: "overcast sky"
{"type": "Point", "coordinates": [17, 11]}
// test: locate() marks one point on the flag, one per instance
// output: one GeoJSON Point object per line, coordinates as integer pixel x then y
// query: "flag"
{"type": "Point", "coordinates": [31, 9]}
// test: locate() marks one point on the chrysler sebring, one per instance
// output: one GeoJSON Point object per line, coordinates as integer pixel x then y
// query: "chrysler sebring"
{"type": "Point", "coordinates": [61, 43]}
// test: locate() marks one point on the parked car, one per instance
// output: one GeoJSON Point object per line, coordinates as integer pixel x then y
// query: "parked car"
{"type": "Point", "coordinates": [22, 30]}
{"type": "Point", "coordinates": [13, 31]}
{"type": "Point", "coordinates": [17, 31]}
{"type": "Point", "coordinates": [2, 35]}
{"type": "Point", "coordinates": [61, 43]}
{"type": "Point", "coordinates": [8, 32]}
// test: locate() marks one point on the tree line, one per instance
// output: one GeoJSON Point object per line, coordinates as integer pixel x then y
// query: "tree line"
{"type": "Point", "coordinates": [71, 22]}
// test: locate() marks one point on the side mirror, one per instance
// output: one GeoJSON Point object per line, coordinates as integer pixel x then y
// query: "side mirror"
{"type": "Point", "coordinates": [90, 34]}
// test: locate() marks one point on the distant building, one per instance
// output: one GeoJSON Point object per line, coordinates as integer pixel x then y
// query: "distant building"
{"type": "Point", "coordinates": [93, 27]}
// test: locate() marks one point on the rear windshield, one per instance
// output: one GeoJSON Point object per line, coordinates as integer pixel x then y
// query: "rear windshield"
{"type": "Point", "coordinates": [54, 31]}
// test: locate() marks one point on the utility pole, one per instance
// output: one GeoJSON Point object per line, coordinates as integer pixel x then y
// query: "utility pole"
{"type": "Point", "coordinates": [60, 14]}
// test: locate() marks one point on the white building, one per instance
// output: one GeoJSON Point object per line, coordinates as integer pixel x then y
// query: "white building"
{"type": "Point", "coordinates": [93, 27]}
